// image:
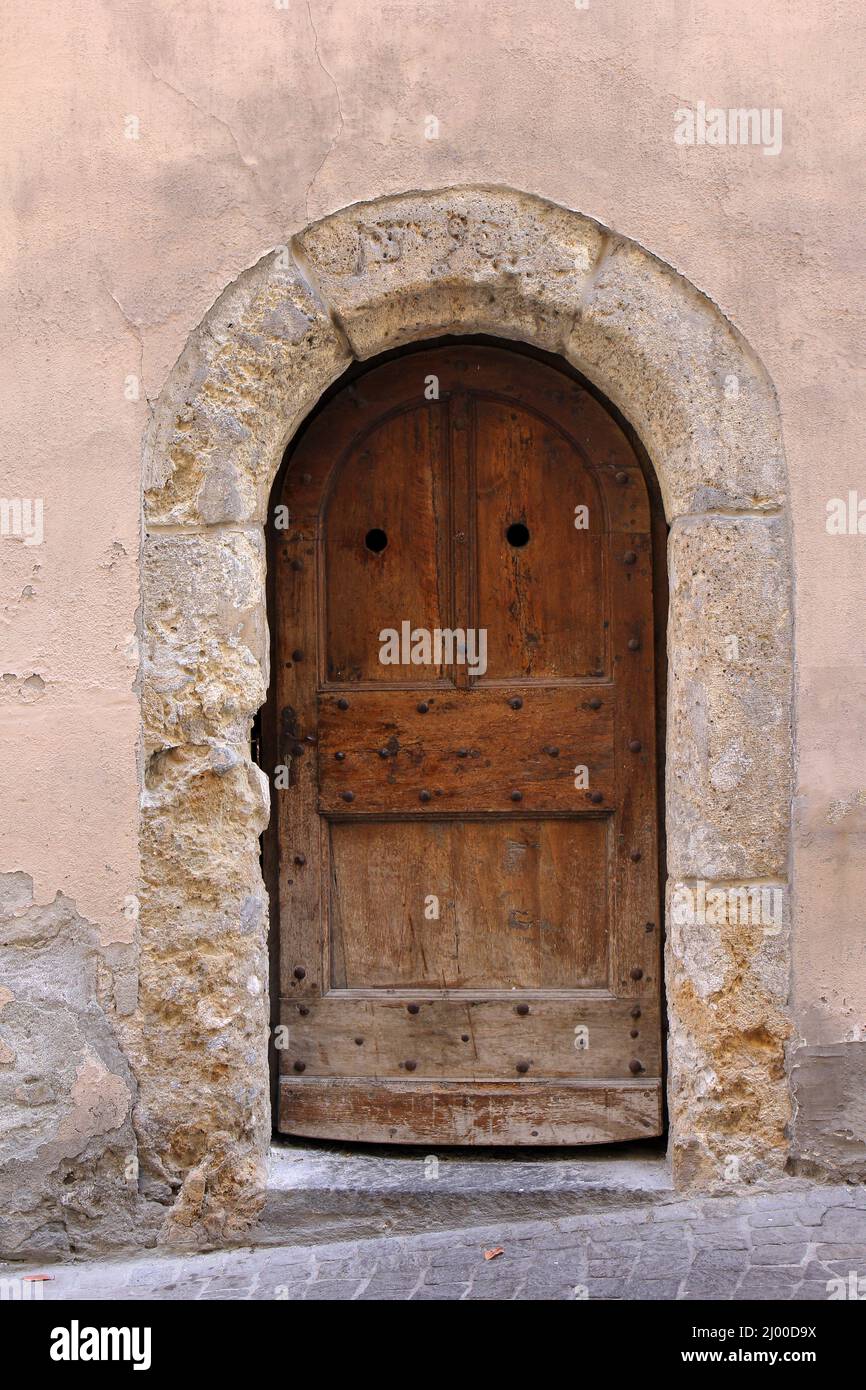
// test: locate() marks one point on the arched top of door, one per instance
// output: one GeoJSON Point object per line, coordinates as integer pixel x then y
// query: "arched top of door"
{"type": "Point", "coordinates": [466, 376]}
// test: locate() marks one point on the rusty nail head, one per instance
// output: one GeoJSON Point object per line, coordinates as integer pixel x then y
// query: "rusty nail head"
{"type": "Point", "coordinates": [300, 1066]}
{"type": "Point", "coordinates": [516, 796]}
{"type": "Point", "coordinates": [622, 477]}
{"type": "Point", "coordinates": [635, 1066]}
{"type": "Point", "coordinates": [298, 749]}
{"type": "Point", "coordinates": [634, 856]}
{"type": "Point", "coordinates": [348, 796]}
{"type": "Point", "coordinates": [358, 1042]}
{"type": "Point", "coordinates": [383, 753]}
{"type": "Point", "coordinates": [300, 859]}
{"type": "Point", "coordinates": [629, 557]}
{"type": "Point", "coordinates": [342, 704]}
{"type": "Point", "coordinates": [297, 655]}
{"type": "Point", "coordinates": [637, 973]}
{"type": "Point", "coordinates": [424, 796]}
{"type": "Point", "coordinates": [297, 564]}
{"type": "Point", "coordinates": [522, 1067]}
{"type": "Point", "coordinates": [649, 926]}
{"type": "Point", "coordinates": [303, 1010]}
{"type": "Point", "coordinates": [634, 745]}
{"type": "Point", "coordinates": [341, 757]}
{"type": "Point", "coordinates": [595, 703]}
{"type": "Point", "coordinates": [423, 707]}
{"type": "Point", "coordinates": [551, 752]}
{"type": "Point", "coordinates": [299, 972]}
{"type": "Point", "coordinates": [634, 644]}
{"type": "Point", "coordinates": [462, 752]}
{"type": "Point", "coordinates": [636, 1011]}
{"type": "Point", "coordinates": [522, 1009]}
{"type": "Point", "coordinates": [410, 1066]}
{"type": "Point", "coordinates": [516, 703]}
{"type": "Point", "coordinates": [464, 1037]}
{"type": "Point", "coordinates": [596, 797]}
{"type": "Point", "coordinates": [414, 1008]}
{"type": "Point", "coordinates": [634, 1033]}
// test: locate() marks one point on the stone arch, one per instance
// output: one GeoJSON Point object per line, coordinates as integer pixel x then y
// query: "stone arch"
{"type": "Point", "coordinates": [364, 280]}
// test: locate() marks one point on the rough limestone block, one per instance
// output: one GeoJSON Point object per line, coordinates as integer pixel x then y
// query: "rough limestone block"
{"type": "Point", "coordinates": [729, 698]}
{"type": "Point", "coordinates": [199, 1051]}
{"type": "Point", "coordinates": [203, 810]}
{"type": "Point", "coordinates": [251, 371]}
{"type": "Point", "coordinates": [727, 980]}
{"type": "Point", "coordinates": [198, 1043]}
{"type": "Point", "coordinates": [205, 649]}
{"type": "Point", "coordinates": [469, 260]}
{"type": "Point", "coordinates": [702, 405]}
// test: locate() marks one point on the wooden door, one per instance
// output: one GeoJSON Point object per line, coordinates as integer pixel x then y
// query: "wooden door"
{"type": "Point", "coordinates": [467, 847]}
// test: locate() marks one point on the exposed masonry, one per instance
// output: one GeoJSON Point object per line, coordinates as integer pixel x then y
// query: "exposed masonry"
{"type": "Point", "coordinates": [66, 1089]}
{"type": "Point", "coordinates": [367, 279]}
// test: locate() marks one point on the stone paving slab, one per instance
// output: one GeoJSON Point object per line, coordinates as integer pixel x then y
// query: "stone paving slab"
{"type": "Point", "coordinates": [805, 1242]}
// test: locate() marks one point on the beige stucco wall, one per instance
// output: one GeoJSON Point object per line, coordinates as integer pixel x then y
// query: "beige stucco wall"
{"type": "Point", "coordinates": [255, 120]}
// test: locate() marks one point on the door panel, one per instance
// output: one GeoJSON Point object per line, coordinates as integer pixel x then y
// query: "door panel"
{"type": "Point", "coordinates": [467, 847]}
{"type": "Point", "coordinates": [523, 917]}
{"type": "Point", "coordinates": [385, 544]}
{"type": "Point", "coordinates": [539, 576]}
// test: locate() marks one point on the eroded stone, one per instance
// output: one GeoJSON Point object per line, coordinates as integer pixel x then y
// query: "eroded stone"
{"type": "Point", "coordinates": [702, 405]}
{"type": "Point", "coordinates": [466, 260]}
{"type": "Point", "coordinates": [729, 698]}
{"type": "Point", "coordinates": [205, 650]}
{"type": "Point", "coordinates": [249, 374]}
{"type": "Point", "coordinates": [727, 982]}
{"type": "Point", "coordinates": [203, 810]}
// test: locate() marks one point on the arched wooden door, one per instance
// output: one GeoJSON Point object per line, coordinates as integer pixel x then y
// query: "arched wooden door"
{"type": "Point", "coordinates": [464, 695]}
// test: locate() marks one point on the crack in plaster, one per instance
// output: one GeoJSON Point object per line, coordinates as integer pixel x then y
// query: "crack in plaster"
{"type": "Point", "coordinates": [248, 161]}
{"type": "Point", "coordinates": [336, 139]}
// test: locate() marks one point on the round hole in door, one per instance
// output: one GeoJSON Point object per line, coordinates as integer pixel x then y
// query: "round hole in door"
{"type": "Point", "coordinates": [517, 534]}
{"type": "Point", "coordinates": [376, 540]}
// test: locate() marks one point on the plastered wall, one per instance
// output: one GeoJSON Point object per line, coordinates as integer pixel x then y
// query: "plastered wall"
{"type": "Point", "coordinates": [152, 153]}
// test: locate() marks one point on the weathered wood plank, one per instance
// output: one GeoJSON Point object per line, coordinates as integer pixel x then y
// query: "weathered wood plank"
{"type": "Point", "coordinates": [473, 1038]}
{"type": "Point", "coordinates": [458, 904]}
{"type": "Point", "coordinates": [469, 750]}
{"type": "Point", "coordinates": [495, 1113]}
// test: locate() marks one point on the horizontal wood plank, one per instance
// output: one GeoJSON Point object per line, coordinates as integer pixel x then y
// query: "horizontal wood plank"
{"type": "Point", "coordinates": [477, 1039]}
{"type": "Point", "coordinates": [467, 750]}
{"type": "Point", "coordinates": [436, 1113]}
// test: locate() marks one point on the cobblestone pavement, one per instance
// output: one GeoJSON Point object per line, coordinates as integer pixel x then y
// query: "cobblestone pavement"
{"type": "Point", "coordinates": [774, 1245]}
